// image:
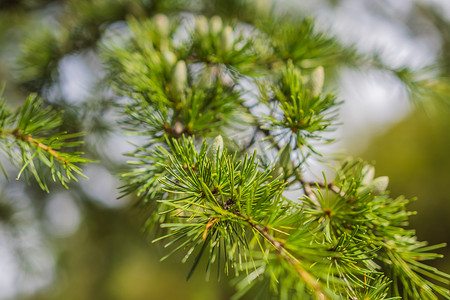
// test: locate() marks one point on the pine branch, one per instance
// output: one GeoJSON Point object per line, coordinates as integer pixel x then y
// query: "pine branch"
{"type": "Point", "coordinates": [197, 185]}
{"type": "Point", "coordinates": [30, 139]}
{"type": "Point", "coordinates": [335, 243]}
{"type": "Point", "coordinates": [343, 236]}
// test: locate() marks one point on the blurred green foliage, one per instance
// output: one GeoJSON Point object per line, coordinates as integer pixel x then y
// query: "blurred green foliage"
{"type": "Point", "coordinates": [108, 259]}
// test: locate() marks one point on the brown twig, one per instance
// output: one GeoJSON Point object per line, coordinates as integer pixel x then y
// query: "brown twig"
{"type": "Point", "coordinates": [29, 139]}
{"type": "Point", "coordinates": [331, 186]}
{"type": "Point", "coordinates": [208, 226]}
{"type": "Point", "coordinates": [307, 277]}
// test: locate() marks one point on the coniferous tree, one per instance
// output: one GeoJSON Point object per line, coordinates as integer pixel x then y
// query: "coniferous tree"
{"type": "Point", "coordinates": [231, 111]}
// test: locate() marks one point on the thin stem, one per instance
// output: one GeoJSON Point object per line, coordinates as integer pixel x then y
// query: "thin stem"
{"type": "Point", "coordinates": [332, 187]}
{"type": "Point", "coordinates": [307, 188]}
{"type": "Point", "coordinates": [307, 277]}
{"type": "Point", "coordinates": [29, 139]}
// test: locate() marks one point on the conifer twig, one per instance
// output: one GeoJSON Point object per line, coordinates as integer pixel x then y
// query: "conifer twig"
{"type": "Point", "coordinates": [29, 139]}
{"type": "Point", "coordinates": [306, 276]}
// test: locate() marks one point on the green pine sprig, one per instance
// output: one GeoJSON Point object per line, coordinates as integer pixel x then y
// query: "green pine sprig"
{"type": "Point", "coordinates": [29, 137]}
{"type": "Point", "coordinates": [232, 206]}
{"type": "Point", "coordinates": [301, 113]}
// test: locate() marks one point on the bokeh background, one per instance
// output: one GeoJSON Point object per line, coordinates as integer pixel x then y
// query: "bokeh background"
{"type": "Point", "coordinates": [87, 244]}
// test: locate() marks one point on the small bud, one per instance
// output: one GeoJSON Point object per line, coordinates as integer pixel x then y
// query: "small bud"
{"type": "Point", "coordinates": [215, 25]}
{"type": "Point", "coordinates": [226, 39]}
{"type": "Point", "coordinates": [201, 24]}
{"type": "Point", "coordinates": [216, 150]}
{"type": "Point", "coordinates": [368, 173]}
{"type": "Point", "coordinates": [169, 57]}
{"type": "Point", "coordinates": [179, 77]}
{"type": "Point", "coordinates": [178, 128]}
{"type": "Point", "coordinates": [162, 24]}
{"type": "Point", "coordinates": [317, 78]}
{"type": "Point", "coordinates": [379, 185]}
